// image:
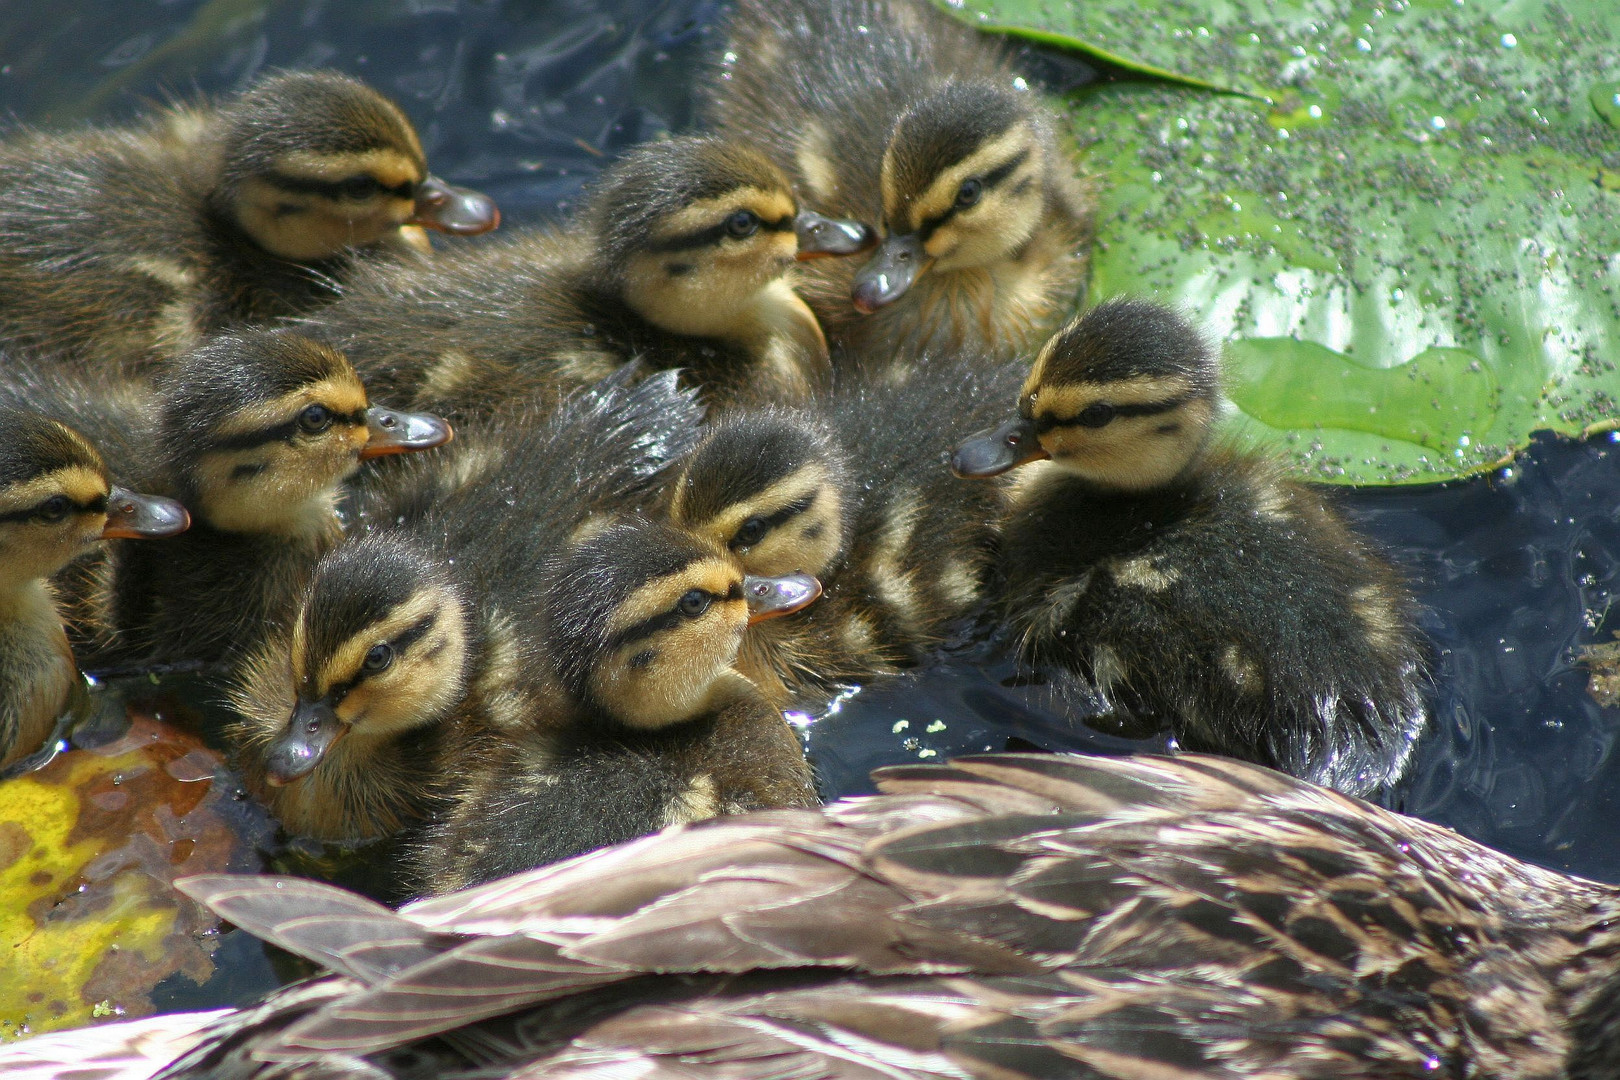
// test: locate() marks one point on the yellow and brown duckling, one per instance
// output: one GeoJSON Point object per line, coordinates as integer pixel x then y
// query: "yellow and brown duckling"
{"type": "Point", "coordinates": [127, 245]}
{"type": "Point", "coordinates": [648, 722]}
{"type": "Point", "coordinates": [56, 506]}
{"type": "Point", "coordinates": [855, 491]}
{"type": "Point", "coordinates": [891, 112]}
{"type": "Point", "coordinates": [683, 254]}
{"type": "Point", "coordinates": [427, 621]}
{"type": "Point", "coordinates": [255, 435]}
{"type": "Point", "coordinates": [1005, 916]}
{"type": "Point", "coordinates": [1188, 583]}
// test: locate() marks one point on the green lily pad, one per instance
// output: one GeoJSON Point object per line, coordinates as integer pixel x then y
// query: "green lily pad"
{"type": "Point", "coordinates": [1410, 248]}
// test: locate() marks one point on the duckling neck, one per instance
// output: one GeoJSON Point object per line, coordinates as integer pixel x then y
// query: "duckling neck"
{"type": "Point", "coordinates": [314, 524]}
{"type": "Point", "coordinates": [254, 285]}
{"type": "Point", "coordinates": [789, 349]}
{"type": "Point", "coordinates": [37, 672]}
{"type": "Point", "coordinates": [773, 326]}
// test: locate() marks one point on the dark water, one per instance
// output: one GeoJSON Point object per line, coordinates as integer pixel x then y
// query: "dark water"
{"type": "Point", "coordinates": [528, 100]}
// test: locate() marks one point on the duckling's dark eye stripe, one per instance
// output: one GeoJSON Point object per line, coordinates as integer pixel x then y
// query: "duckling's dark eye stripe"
{"type": "Point", "coordinates": [711, 236]}
{"type": "Point", "coordinates": [247, 440]}
{"type": "Point", "coordinates": [96, 505]}
{"type": "Point", "coordinates": [401, 642]}
{"type": "Point", "coordinates": [356, 187]}
{"type": "Point", "coordinates": [657, 624]}
{"type": "Point", "coordinates": [791, 510]}
{"type": "Point", "coordinates": [1145, 408]}
{"type": "Point", "coordinates": [988, 181]}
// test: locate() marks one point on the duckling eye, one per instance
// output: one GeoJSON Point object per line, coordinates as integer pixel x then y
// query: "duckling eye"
{"type": "Point", "coordinates": [1097, 414]}
{"type": "Point", "coordinates": [749, 533]}
{"type": "Point", "coordinates": [316, 418]}
{"type": "Point", "coordinates": [969, 192]}
{"type": "Point", "coordinates": [378, 657]}
{"type": "Point", "coordinates": [693, 604]}
{"type": "Point", "coordinates": [742, 223]}
{"type": "Point", "coordinates": [358, 187]}
{"type": "Point", "coordinates": [53, 509]}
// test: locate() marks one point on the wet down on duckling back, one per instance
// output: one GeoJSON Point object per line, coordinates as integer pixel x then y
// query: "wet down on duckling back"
{"type": "Point", "coordinates": [1188, 583]}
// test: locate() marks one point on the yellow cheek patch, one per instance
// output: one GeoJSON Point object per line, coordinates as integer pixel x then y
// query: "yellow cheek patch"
{"type": "Point", "coordinates": [713, 575]}
{"type": "Point", "coordinates": [344, 663]}
{"type": "Point", "coordinates": [78, 482]}
{"type": "Point", "coordinates": [388, 167]}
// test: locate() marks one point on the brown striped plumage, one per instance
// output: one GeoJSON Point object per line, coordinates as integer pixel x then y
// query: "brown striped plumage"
{"type": "Point", "coordinates": [1005, 916]}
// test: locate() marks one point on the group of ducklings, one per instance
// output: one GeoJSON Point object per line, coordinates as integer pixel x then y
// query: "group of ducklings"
{"type": "Point", "coordinates": [685, 411]}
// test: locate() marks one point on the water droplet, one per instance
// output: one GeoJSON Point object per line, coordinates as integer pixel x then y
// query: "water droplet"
{"type": "Point", "coordinates": [1509, 41]}
{"type": "Point", "coordinates": [1438, 123]}
{"type": "Point", "coordinates": [1363, 45]}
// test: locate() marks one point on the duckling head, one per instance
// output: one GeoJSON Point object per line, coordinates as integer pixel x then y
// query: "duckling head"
{"type": "Point", "coordinates": [698, 236]}
{"type": "Point", "coordinates": [645, 622]}
{"type": "Point", "coordinates": [1123, 397]}
{"type": "Point", "coordinates": [964, 184]}
{"type": "Point", "coordinates": [262, 428]}
{"type": "Point", "coordinates": [382, 645]}
{"type": "Point", "coordinates": [56, 501]}
{"type": "Point", "coordinates": [314, 163]}
{"type": "Point", "coordinates": [768, 486]}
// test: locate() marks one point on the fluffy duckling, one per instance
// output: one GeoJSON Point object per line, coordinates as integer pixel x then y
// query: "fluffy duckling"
{"type": "Point", "coordinates": [890, 111]}
{"type": "Point", "coordinates": [129, 244]}
{"type": "Point", "coordinates": [56, 505]}
{"type": "Point", "coordinates": [1188, 582]}
{"type": "Point", "coordinates": [847, 490]}
{"type": "Point", "coordinates": [682, 255]}
{"type": "Point", "coordinates": [255, 434]}
{"type": "Point", "coordinates": [650, 723]}
{"type": "Point", "coordinates": [427, 621]}
{"type": "Point", "coordinates": [1006, 916]}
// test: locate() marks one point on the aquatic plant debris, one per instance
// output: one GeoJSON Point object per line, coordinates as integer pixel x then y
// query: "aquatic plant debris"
{"type": "Point", "coordinates": [1602, 661]}
{"type": "Point", "coordinates": [1419, 230]}
{"type": "Point", "coordinates": [89, 847]}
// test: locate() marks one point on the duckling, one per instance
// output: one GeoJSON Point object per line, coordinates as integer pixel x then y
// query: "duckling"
{"type": "Point", "coordinates": [128, 245]}
{"type": "Point", "coordinates": [426, 621]}
{"type": "Point", "coordinates": [892, 112]}
{"type": "Point", "coordinates": [1188, 582]}
{"type": "Point", "coordinates": [1003, 916]}
{"type": "Point", "coordinates": [56, 505]}
{"type": "Point", "coordinates": [650, 723]}
{"type": "Point", "coordinates": [682, 255]}
{"type": "Point", "coordinates": [847, 489]}
{"type": "Point", "coordinates": [255, 434]}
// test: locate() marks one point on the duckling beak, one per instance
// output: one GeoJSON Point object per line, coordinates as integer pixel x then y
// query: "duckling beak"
{"type": "Point", "coordinates": [310, 733]}
{"type": "Point", "coordinates": [142, 517]}
{"type": "Point", "coordinates": [450, 209]}
{"type": "Point", "coordinates": [993, 452]}
{"type": "Point", "coordinates": [820, 236]}
{"type": "Point", "coordinates": [887, 275]}
{"type": "Point", "coordinates": [391, 432]}
{"type": "Point", "coordinates": [769, 597]}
